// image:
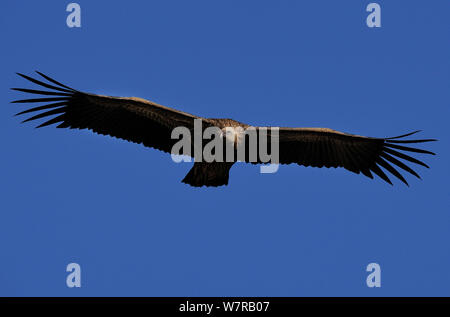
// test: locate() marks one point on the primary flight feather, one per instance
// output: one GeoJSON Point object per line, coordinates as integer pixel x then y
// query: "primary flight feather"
{"type": "Point", "coordinates": [141, 121]}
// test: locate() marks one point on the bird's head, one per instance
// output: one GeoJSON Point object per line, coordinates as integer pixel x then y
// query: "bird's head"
{"type": "Point", "coordinates": [233, 134]}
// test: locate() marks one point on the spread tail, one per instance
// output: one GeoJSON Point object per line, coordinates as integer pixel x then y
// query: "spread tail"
{"type": "Point", "coordinates": [208, 174]}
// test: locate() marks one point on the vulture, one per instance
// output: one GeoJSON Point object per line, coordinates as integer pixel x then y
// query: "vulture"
{"type": "Point", "coordinates": [145, 122]}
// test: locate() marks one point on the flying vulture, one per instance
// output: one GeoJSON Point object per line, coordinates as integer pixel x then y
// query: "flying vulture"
{"type": "Point", "coordinates": [142, 121]}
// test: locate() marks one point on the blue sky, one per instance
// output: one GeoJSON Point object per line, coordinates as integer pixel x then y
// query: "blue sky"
{"type": "Point", "coordinates": [120, 210]}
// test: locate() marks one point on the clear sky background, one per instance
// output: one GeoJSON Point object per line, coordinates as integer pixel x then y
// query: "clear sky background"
{"type": "Point", "coordinates": [120, 209]}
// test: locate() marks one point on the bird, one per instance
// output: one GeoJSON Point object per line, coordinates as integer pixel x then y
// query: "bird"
{"type": "Point", "coordinates": [145, 122]}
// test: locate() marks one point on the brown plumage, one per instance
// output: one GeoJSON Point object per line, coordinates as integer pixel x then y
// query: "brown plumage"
{"type": "Point", "coordinates": [141, 121]}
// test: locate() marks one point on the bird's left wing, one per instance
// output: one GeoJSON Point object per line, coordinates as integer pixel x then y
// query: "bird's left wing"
{"type": "Point", "coordinates": [321, 147]}
{"type": "Point", "coordinates": [133, 119]}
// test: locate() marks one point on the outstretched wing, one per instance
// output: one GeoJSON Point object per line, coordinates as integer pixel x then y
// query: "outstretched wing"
{"type": "Point", "coordinates": [132, 119]}
{"type": "Point", "coordinates": [319, 147]}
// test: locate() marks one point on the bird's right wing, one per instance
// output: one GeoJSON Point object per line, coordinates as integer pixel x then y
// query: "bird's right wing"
{"type": "Point", "coordinates": [133, 119]}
